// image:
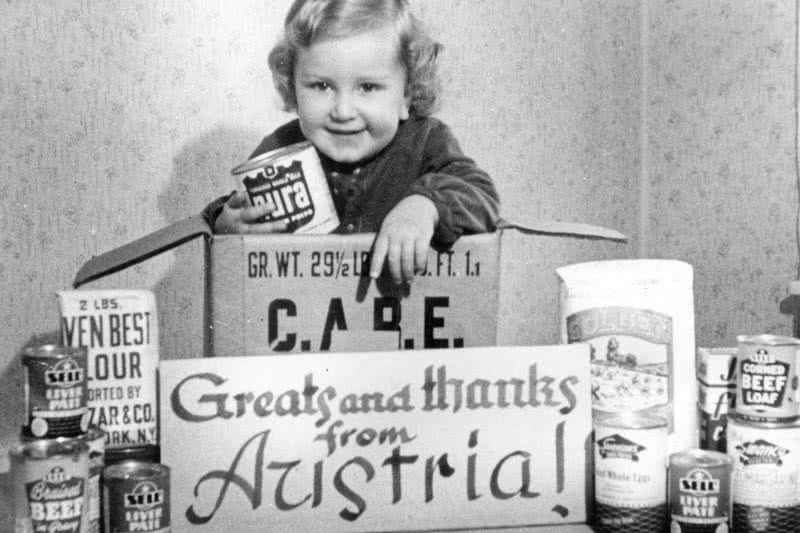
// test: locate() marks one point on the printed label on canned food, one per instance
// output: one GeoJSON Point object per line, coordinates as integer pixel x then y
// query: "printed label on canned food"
{"type": "Point", "coordinates": [763, 380]}
{"type": "Point", "coordinates": [119, 329]}
{"type": "Point", "coordinates": [144, 509]}
{"type": "Point", "coordinates": [618, 447]}
{"type": "Point", "coordinates": [761, 452]}
{"type": "Point", "coordinates": [631, 353]}
{"type": "Point", "coordinates": [285, 190]}
{"type": "Point", "coordinates": [699, 494]}
{"type": "Point", "coordinates": [64, 386]}
{"type": "Point", "coordinates": [716, 366]}
{"type": "Point", "coordinates": [56, 502]}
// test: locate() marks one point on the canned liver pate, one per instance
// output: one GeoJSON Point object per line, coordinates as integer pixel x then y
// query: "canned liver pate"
{"type": "Point", "coordinates": [766, 465]}
{"type": "Point", "coordinates": [136, 497]}
{"type": "Point", "coordinates": [292, 182]}
{"type": "Point", "coordinates": [699, 491]}
{"type": "Point", "coordinates": [49, 485]}
{"type": "Point", "coordinates": [55, 391]}
{"type": "Point", "coordinates": [630, 473]}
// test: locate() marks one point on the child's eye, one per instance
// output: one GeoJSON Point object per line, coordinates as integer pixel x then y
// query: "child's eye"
{"type": "Point", "coordinates": [318, 85]}
{"type": "Point", "coordinates": [368, 87]}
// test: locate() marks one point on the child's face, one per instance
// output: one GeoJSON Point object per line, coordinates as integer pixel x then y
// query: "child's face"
{"type": "Point", "coordinates": [351, 94]}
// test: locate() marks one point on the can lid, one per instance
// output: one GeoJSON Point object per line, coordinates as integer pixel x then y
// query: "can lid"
{"type": "Point", "coordinates": [135, 470]}
{"type": "Point", "coordinates": [54, 351]}
{"type": "Point", "coordinates": [631, 420]}
{"type": "Point", "coordinates": [768, 339]}
{"type": "Point", "coordinates": [46, 448]}
{"type": "Point", "coordinates": [260, 160]}
{"type": "Point", "coordinates": [149, 453]}
{"type": "Point", "coordinates": [699, 457]}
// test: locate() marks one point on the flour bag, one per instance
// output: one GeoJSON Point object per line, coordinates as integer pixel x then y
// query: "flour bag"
{"type": "Point", "coordinates": [638, 317]}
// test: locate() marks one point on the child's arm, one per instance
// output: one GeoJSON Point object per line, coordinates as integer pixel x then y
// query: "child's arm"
{"type": "Point", "coordinates": [451, 197]}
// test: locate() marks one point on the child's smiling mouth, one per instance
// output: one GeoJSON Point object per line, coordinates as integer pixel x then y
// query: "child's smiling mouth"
{"type": "Point", "coordinates": [344, 132]}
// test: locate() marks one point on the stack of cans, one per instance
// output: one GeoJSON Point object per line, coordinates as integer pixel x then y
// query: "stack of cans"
{"type": "Point", "coordinates": [764, 435]}
{"type": "Point", "coordinates": [58, 470]}
{"type": "Point", "coordinates": [716, 394]}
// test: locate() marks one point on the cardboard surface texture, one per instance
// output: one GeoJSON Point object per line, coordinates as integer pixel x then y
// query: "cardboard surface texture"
{"type": "Point", "coordinates": [385, 441]}
{"type": "Point", "coordinates": [284, 293]}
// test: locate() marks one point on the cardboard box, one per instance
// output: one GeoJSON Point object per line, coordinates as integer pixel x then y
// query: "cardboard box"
{"type": "Point", "coordinates": [283, 293]}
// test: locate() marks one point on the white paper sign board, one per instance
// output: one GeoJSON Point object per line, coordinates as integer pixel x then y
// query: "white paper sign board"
{"type": "Point", "coordinates": [385, 441]}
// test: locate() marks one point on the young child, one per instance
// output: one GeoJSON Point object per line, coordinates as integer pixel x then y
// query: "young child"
{"type": "Point", "coordinates": [361, 77]}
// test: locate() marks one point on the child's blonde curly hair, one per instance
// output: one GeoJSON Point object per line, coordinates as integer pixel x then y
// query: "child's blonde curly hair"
{"type": "Point", "coordinates": [311, 20]}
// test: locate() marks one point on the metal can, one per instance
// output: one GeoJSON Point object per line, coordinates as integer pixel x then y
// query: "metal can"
{"type": "Point", "coordinates": [136, 497]}
{"type": "Point", "coordinates": [55, 391]}
{"type": "Point", "coordinates": [767, 382]}
{"type": "Point", "coordinates": [714, 404]}
{"type": "Point", "coordinates": [291, 180]}
{"type": "Point", "coordinates": [699, 489]}
{"type": "Point", "coordinates": [95, 439]}
{"type": "Point", "coordinates": [766, 466]}
{"type": "Point", "coordinates": [630, 475]}
{"type": "Point", "coordinates": [146, 454]}
{"type": "Point", "coordinates": [49, 480]}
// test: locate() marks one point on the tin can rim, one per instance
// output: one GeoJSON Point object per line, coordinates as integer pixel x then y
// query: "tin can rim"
{"type": "Point", "coordinates": [631, 420]}
{"type": "Point", "coordinates": [53, 351]}
{"type": "Point", "coordinates": [700, 458]}
{"type": "Point", "coordinates": [259, 160]}
{"type": "Point", "coordinates": [46, 448]}
{"type": "Point", "coordinates": [768, 339]}
{"type": "Point", "coordinates": [133, 469]}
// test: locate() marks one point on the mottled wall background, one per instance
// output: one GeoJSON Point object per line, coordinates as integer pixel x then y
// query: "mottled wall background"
{"type": "Point", "coordinates": [671, 121]}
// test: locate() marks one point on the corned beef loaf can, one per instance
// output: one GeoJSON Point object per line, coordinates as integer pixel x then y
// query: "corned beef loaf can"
{"type": "Point", "coordinates": [292, 182]}
{"type": "Point", "coordinates": [767, 387]}
{"type": "Point", "coordinates": [136, 497]}
{"type": "Point", "coordinates": [55, 391]}
{"type": "Point", "coordinates": [49, 484]}
{"type": "Point", "coordinates": [630, 474]}
{"type": "Point", "coordinates": [766, 467]}
{"type": "Point", "coordinates": [699, 488]}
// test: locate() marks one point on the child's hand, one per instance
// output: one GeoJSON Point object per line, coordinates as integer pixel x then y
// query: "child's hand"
{"type": "Point", "coordinates": [238, 216]}
{"type": "Point", "coordinates": [404, 239]}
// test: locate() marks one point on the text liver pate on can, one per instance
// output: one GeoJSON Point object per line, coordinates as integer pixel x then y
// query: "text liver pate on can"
{"type": "Point", "coordinates": [699, 489]}
{"type": "Point", "coordinates": [766, 466]}
{"type": "Point", "coordinates": [292, 182]}
{"type": "Point", "coordinates": [630, 473]}
{"type": "Point", "coordinates": [767, 383]}
{"type": "Point", "coordinates": [49, 479]}
{"type": "Point", "coordinates": [55, 391]}
{"type": "Point", "coordinates": [136, 498]}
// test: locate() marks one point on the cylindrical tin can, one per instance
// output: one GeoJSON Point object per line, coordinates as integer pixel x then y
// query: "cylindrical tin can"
{"type": "Point", "coordinates": [95, 439]}
{"type": "Point", "coordinates": [55, 391]}
{"type": "Point", "coordinates": [136, 497]}
{"type": "Point", "coordinates": [699, 491]}
{"type": "Point", "coordinates": [767, 382]}
{"type": "Point", "coordinates": [714, 404]}
{"type": "Point", "coordinates": [716, 367]}
{"type": "Point", "coordinates": [630, 473]}
{"type": "Point", "coordinates": [49, 480]}
{"type": "Point", "coordinates": [291, 180]}
{"type": "Point", "coordinates": [766, 466]}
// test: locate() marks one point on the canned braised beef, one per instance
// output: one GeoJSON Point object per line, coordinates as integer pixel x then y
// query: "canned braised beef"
{"type": "Point", "coordinates": [49, 480]}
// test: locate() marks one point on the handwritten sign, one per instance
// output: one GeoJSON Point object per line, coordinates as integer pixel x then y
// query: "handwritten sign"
{"type": "Point", "coordinates": [412, 440]}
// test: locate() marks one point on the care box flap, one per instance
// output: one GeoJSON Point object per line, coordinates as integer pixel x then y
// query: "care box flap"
{"type": "Point", "coordinates": [141, 249]}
